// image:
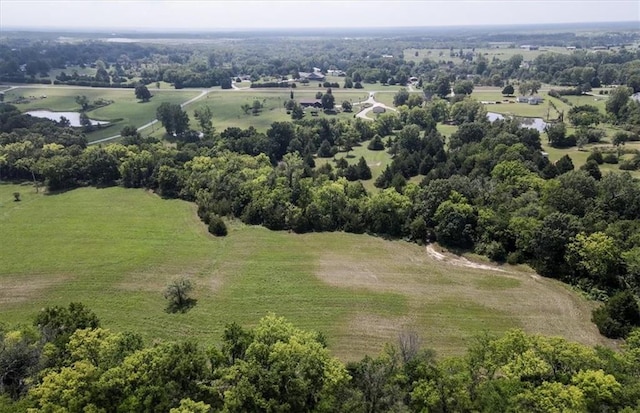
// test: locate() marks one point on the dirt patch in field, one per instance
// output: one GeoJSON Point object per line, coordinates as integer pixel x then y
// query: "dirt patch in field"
{"type": "Point", "coordinates": [25, 288]}
{"type": "Point", "coordinates": [521, 298]}
{"type": "Point", "coordinates": [459, 261]}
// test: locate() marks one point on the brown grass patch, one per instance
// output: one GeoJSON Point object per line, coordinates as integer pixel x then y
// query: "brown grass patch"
{"type": "Point", "coordinates": [28, 288]}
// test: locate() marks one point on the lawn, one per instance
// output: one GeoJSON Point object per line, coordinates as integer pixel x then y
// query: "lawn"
{"type": "Point", "coordinates": [125, 109]}
{"type": "Point", "coordinates": [116, 249]}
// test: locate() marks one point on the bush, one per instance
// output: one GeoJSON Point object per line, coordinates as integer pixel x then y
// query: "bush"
{"type": "Point", "coordinates": [618, 316]}
{"type": "Point", "coordinates": [628, 165]}
{"type": "Point", "coordinates": [596, 156]}
{"type": "Point", "coordinates": [492, 250]}
{"type": "Point", "coordinates": [610, 158]}
{"type": "Point", "coordinates": [376, 144]}
{"type": "Point", "coordinates": [217, 226]}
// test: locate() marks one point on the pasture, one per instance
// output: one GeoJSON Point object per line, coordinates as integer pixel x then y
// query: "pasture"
{"type": "Point", "coordinates": [116, 249]}
{"type": "Point", "coordinates": [125, 109]}
{"type": "Point", "coordinates": [501, 52]}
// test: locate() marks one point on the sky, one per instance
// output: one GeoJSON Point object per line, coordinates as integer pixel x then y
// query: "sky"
{"type": "Point", "coordinates": [202, 15]}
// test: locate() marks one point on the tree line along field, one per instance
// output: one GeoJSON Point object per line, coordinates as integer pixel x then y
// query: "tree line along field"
{"type": "Point", "coordinates": [360, 291]}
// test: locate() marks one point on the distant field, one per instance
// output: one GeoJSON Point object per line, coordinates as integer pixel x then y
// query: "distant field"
{"type": "Point", "coordinates": [116, 249]}
{"type": "Point", "coordinates": [502, 53]}
{"type": "Point", "coordinates": [126, 109]}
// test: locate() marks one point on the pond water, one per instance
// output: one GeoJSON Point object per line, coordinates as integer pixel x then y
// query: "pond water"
{"type": "Point", "coordinates": [74, 117]}
{"type": "Point", "coordinates": [533, 123]}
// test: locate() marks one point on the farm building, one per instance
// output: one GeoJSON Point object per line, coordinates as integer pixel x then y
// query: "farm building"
{"type": "Point", "coordinates": [532, 100]}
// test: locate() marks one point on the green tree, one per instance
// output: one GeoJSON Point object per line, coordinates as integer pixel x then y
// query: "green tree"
{"type": "Point", "coordinates": [401, 97]}
{"type": "Point", "coordinates": [508, 90]}
{"type": "Point", "coordinates": [455, 222]}
{"type": "Point", "coordinates": [595, 256]}
{"type": "Point", "coordinates": [204, 116]}
{"type": "Point", "coordinates": [617, 101]}
{"type": "Point", "coordinates": [142, 93]}
{"type": "Point", "coordinates": [173, 118]}
{"type": "Point", "coordinates": [328, 100]}
{"type": "Point", "coordinates": [564, 165]}
{"type": "Point", "coordinates": [364, 172]}
{"type": "Point", "coordinates": [347, 106]}
{"type": "Point", "coordinates": [83, 101]}
{"type": "Point", "coordinates": [177, 293]}
{"type": "Point", "coordinates": [283, 369]}
{"type": "Point", "coordinates": [56, 324]}
{"type": "Point", "coordinates": [618, 316]}
{"type": "Point", "coordinates": [297, 112]}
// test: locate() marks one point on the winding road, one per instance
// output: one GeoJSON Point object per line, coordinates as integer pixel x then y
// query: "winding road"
{"type": "Point", "coordinates": [371, 100]}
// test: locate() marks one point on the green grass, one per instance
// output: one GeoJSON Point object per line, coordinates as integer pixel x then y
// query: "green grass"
{"type": "Point", "coordinates": [126, 109]}
{"type": "Point", "coordinates": [227, 112]}
{"type": "Point", "coordinates": [116, 250]}
{"type": "Point", "coordinates": [502, 53]}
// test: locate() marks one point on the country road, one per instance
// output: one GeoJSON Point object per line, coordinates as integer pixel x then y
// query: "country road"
{"type": "Point", "coordinates": [371, 100]}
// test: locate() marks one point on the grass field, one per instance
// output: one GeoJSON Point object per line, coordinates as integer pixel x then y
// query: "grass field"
{"type": "Point", "coordinates": [116, 249]}
{"type": "Point", "coordinates": [227, 112]}
{"type": "Point", "coordinates": [501, 53]}
{"type": "Point", "coordinates": [125, 109]}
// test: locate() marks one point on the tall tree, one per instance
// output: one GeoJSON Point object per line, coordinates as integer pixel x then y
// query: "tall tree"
{"type": "Point", "coordinates": [173, 118]}
{"type": "Point", "coordinates": [142, 93]}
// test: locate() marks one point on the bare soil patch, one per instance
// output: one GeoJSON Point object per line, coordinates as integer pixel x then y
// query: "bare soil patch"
{"type": "Point", "coordinates": [25, 288]}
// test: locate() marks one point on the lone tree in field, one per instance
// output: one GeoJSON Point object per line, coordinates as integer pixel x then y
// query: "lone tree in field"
{"type": "Point", "coordinates": [508, 90]}
{"type": "Point", "coordinates": [178, 295]}
{"type": "Point", "coordinates": [142, 93]}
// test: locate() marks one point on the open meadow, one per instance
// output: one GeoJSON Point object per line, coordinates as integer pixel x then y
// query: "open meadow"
{"type": "Point", "coordinates": [117, 249]}
{"type": "Point", "coordinates": [125, 109]}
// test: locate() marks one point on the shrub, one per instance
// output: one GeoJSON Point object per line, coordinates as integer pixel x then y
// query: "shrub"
{"type": "Point", "coordinates": [628, 165]}
{"type": "Point", "coordinates": [217, 226]}
{"type": "Point", "coordinates": [596, 156]}
{"type": "Point", "coordinates": [610, 158]}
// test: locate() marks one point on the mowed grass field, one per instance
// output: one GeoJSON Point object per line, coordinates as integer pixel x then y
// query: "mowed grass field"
{"type": "Point", "coordinates": [227, 112]}
{"type": "Point", "coordinates": [116, 250]}
{"type": "Point", "coordinates": [125, 109]}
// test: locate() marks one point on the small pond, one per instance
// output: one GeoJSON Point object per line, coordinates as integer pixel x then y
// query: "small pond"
{"type": "Point", "coordinates": [533, 123]}
{"type": "Point", "coordinates": [74, 117]}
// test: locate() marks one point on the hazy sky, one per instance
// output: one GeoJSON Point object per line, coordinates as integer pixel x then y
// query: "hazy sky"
{"type": "Point", "coordinates": [214, 14]}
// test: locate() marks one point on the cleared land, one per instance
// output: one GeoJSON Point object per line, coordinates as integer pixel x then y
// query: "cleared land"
{"type": "Point", "coordinates": [116, 250]}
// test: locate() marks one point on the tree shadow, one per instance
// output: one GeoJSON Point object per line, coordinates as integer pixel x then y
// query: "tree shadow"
{"type": "Point", "coordinates": [186, 305]}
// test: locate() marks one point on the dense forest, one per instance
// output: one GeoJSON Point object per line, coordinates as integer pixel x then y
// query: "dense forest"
{"type": "Point", "coordinates": [488, 188]}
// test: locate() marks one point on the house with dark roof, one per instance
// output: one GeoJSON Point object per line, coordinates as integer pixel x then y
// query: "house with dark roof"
{"type": "Point", "coordinates": [317, 76]}
{"type": "Point", "coordinates": [310, 103]}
